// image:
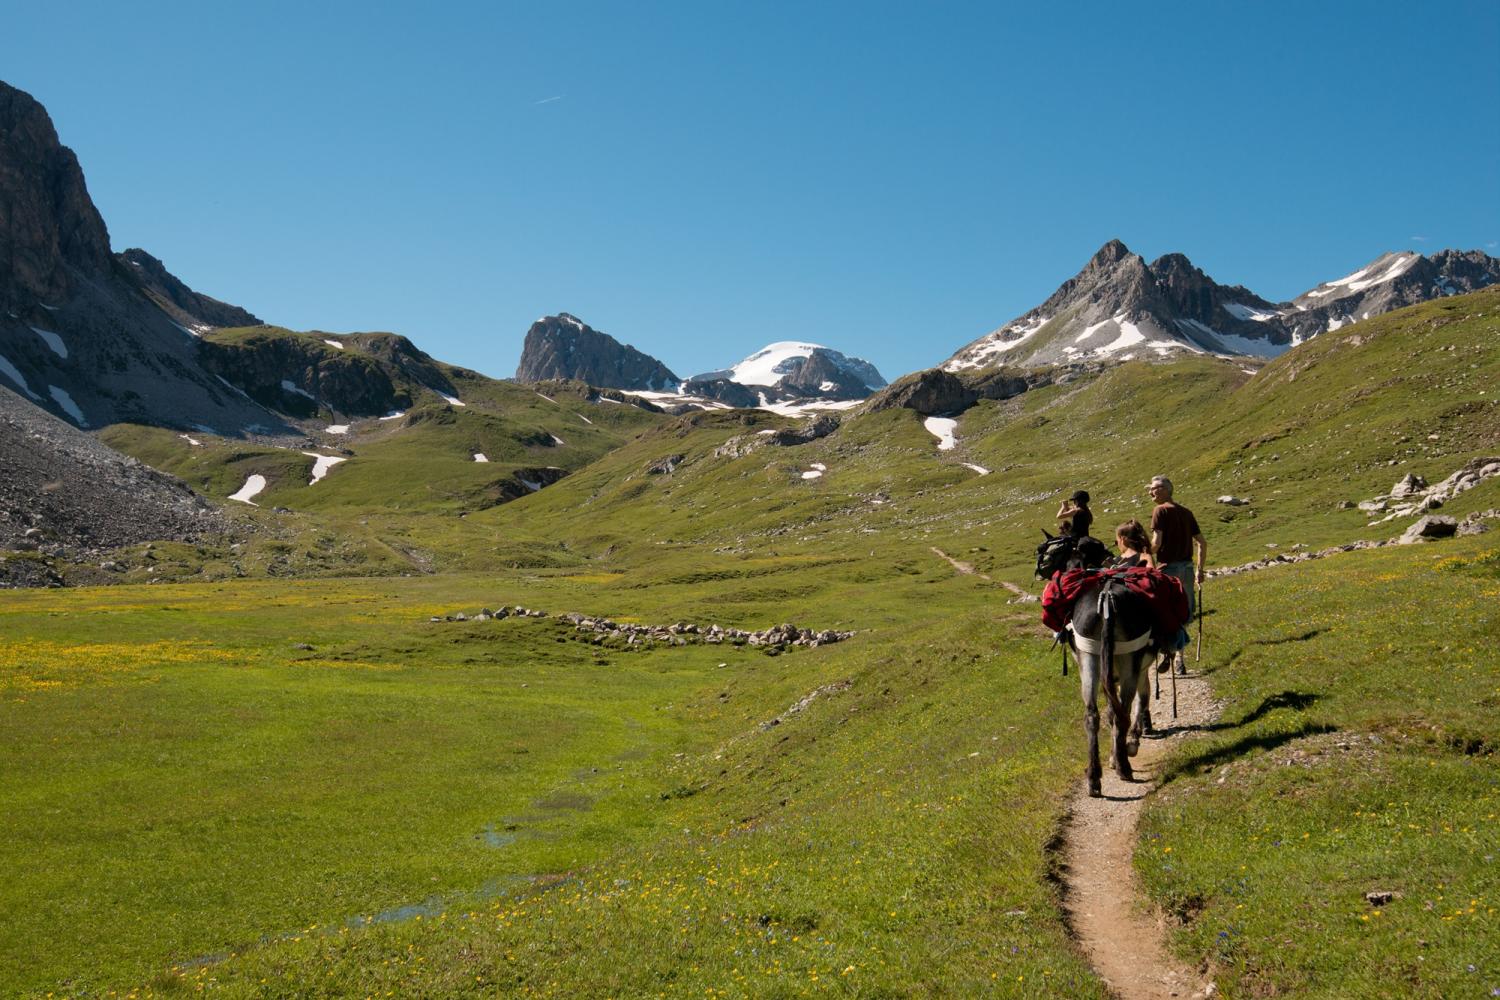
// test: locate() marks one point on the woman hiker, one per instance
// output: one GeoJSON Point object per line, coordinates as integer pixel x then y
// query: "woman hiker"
{"type": "Point", "coordinates": [1074, 514]}
{"type": "Point", "coordinates": [1134, 546]}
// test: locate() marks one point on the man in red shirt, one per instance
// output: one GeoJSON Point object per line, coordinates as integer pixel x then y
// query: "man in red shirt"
{"type": "Point", "coordinates": [1174, 538]}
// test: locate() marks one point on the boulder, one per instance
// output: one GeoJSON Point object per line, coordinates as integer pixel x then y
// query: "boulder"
{"type": "Point", "coordinates": [664, 466]}
{"type": "Point", "coordinates": [1407, 485]}
{"type": "Point", "coordinates": [1429, 528]}
{"type": "Point", "coordinates": [1234, 501]}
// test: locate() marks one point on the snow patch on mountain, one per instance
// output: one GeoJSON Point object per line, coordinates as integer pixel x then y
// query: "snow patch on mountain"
{"type": "Point", "coordinates": [53, 341]}
{"type": "Point", "coordinates": [322, 465]}
{"type": "Point", "coordinates": [253, 486]}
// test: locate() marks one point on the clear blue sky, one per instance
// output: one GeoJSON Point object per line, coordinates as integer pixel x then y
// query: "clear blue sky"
{"type": "Point", "coordinates": [699, 179]}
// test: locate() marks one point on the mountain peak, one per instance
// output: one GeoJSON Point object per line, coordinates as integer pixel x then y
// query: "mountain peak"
{"type": "Point", "coordinates": [1110, 253]}
{"type": "Point", "coordinates": [564, 346]}
{"type": "Point", "coordinates": [187, 307]}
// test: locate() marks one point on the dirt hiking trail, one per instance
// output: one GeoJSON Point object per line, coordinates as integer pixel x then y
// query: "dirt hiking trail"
{"type": "Point", "coordinates": [1124, 941]}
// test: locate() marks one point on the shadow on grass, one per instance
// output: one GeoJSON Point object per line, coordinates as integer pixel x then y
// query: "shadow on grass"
{"type": "Point", "coordinates": [1295, 700]}
{"type": "Point", "coordinates": [1213, 757]}
{"type": "Point", "coordinates": [1288, 638]}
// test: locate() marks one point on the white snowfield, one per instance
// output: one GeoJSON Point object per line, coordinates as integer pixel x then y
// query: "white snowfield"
{"type": "Point", "coordinates": [289, 386]}
{"type": "Point", "coordinates": [1129, 335]}
{"type": "Point", "coordinates": [333, 343]}
{"type": "Point", "coordinates": [816, 471]}
{"type": "Point", "coordinates": [321, 466]}
{"type": "Point", "coordinates": [53, 341]}
{"type": "Point", "coordinates": [453, 399]}
{"type": "Point", "coordinates": [337, 428]}
{"type": "Point", "coordinates": [191, 440]}
{"type": "Point", "coordinates": [945, 429]}
{"type": "Point", "coordinates": [61, 397]}
{"type": "Point", "coordinates": [1361, 279]}
{"type": "Point", "coordinates": [394, 415]}
{"type": "Point", "coordinates": [533, 487]}
{"type": "Point", "coordinates": [252, 487]}
{"type": "Point", "coordinates": [977, 468]}
{"type": "Point", "coordinates": [1240, 311]}
{"type": "Point", "coordinates": [760, 367]}
{"type": "Point", "coordinates": [812, 406]}
{"type": "Point", "coordinates": [479, 457]}
{"type": "Point", "coordinates": [557, 440]}
{"type": "Point", "coordinates": [1022, 330]}
{"type": "Point", "coordinates": [13, 373]}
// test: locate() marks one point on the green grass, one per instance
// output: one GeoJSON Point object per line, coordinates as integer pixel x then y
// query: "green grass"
{"type": "Point", "coordinates": [191, 799]}
{"type": "Point", "coordinates": [1355, 755]}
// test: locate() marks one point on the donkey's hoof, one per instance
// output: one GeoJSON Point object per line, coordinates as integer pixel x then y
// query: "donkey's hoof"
{"type": "Point", "coordinates": [1132, 746]}
{"type": "Point", "coordinates": [1125, 773]}
{"type": "Point", "coordinates": [1094, 790]}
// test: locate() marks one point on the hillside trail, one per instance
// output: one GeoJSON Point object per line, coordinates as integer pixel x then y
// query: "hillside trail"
{"type": "Point", "coordinates": [967, 569]}
{"type": "Point", "coordinates": [1102, 898]}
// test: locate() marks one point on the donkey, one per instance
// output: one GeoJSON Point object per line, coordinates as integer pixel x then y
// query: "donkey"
{"type": "Point", "coordinates": [1111, 632]}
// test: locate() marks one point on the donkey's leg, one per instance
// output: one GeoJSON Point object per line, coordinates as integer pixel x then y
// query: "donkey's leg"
{"type": "Point", "coordinates": [1088, 674]}
{"type": "Point", "coordinates": [1142, 688]}
{"type": "Point", "coordinates": [1125, 685]}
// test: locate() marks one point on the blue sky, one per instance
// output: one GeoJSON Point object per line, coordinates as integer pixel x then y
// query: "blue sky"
{"type": "Point", "coordinates": [699, 179]}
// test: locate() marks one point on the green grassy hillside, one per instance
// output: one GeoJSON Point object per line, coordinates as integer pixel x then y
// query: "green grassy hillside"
{"type": "Point", "coordinates": [308, 788]}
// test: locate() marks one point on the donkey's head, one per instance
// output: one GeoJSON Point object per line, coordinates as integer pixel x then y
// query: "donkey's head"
{"type": "Point", "coordinates": [1066, 552]}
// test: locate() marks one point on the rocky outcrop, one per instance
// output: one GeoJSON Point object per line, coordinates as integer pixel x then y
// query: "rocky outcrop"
{"type": "Point", "coordinates": [787, 437]}
{"type": "Point", "coordinates": [372, 374]}
{"type": "Point", "coordinates": [65, 495]}
{"type": "Point", "coordinates": [192, 309]}
{"type": "Point", "coordinates": [564, 347]}
{"type": "Point", "coordinates": [1412, 495]}
{"type": "Point", "coordinates": [938, 391]}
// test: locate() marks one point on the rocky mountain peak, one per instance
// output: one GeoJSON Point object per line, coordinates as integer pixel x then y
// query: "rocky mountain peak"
{"type": "Point", "coordinates": [565, 347]}
{"type": "Point", "coordinates": [48, 224]}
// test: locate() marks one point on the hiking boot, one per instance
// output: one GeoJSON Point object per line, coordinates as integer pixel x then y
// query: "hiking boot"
{"type": "Point", "coordinates": [1181, 665]}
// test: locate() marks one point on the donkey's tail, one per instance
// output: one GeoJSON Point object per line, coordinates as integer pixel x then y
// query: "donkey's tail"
{"type": "Point", "coordinates": [1107, 651]}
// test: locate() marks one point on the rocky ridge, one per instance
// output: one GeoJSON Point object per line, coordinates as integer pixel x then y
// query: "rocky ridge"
{"type": "Point", "coordinates": [1119, 308]}
{"type": "Point", "coordinates": [194, 310]}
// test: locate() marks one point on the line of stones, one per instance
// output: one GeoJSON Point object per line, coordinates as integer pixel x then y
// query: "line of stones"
{"type": "Point", "coordinates": [775, 638]}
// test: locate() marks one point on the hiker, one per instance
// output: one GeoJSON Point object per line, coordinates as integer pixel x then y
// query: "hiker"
{"type": "Point", "coordinates": [1134, 546]}
{"type": "Point", "coordinates": [1175, 536]}
{"type": "Point", "coordinates": [1074, 514]}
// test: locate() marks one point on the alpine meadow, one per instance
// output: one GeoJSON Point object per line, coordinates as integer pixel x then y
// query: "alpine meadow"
{"type": "Point", "coordinates": [329, 668]}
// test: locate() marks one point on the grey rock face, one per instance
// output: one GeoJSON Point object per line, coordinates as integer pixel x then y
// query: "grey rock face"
{"type": "Point", "coordinates": [79, 336]}
{"type": "Point", "coordinates": [563, 346]}
{"type": "Point", "coordinates": [192, 309]}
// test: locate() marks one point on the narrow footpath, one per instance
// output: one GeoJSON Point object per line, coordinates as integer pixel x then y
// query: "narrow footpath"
{"type": "Point", "coordinates": [1105, 908]}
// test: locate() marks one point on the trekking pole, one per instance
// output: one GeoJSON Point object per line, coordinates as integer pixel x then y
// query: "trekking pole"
{"type": "Point", "coordinates": [1157, 672]}
{"type": "Point", "coordinates": [1198, 655]}
{"type": "Point", "coordinates": [1173, 669]}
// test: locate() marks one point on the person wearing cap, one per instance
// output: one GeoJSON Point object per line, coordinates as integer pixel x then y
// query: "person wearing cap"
{"type": "Point", "coordinates": [1074, 514]}
{"type": "Point", "coordinates": [1175, 538]}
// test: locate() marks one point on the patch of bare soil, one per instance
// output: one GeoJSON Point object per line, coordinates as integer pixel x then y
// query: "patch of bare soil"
{"type": "Point", "coordinates": [1124, 941]}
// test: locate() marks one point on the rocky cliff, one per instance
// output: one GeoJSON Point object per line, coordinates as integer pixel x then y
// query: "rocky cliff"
{"type": "Point", "coordinates": [78, 334]}
{"type": "Point", "coordinates": [565, 347]}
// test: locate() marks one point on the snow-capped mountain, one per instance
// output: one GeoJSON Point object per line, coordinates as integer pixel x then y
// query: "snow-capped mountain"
{"type": "Point", "coordinates": [794, 369]}
{"type": "Point", "coordinates": [1119, 308]}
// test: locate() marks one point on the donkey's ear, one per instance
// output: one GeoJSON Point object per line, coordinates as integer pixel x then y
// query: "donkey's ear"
{"type": "Point", "coordinates": [1045, 535]}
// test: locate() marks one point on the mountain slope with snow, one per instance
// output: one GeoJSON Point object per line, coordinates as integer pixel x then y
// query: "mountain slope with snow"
{"type": "Point", "coordinates": [1119, 307]}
